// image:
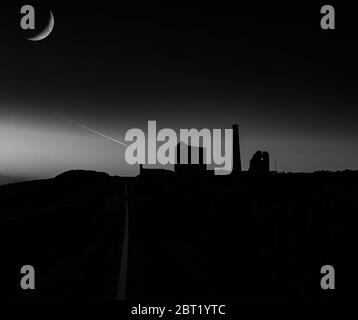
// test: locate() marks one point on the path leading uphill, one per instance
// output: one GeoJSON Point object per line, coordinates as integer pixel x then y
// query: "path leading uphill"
{"type": "Point", "coordinates": [122, 282]}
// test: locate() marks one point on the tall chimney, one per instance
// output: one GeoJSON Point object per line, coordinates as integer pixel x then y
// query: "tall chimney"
{"type": "Point", "coordinates": [236, 156]}
{"type": "Point", "coordinates": [178, 154]}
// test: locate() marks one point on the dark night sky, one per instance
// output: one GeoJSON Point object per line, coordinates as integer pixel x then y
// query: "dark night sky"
{"type": "Point", "coordinates": [290, 85]}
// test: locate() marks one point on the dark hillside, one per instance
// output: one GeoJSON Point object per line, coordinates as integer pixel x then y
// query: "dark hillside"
{"type": "Point", "coordinates": [69, 228]}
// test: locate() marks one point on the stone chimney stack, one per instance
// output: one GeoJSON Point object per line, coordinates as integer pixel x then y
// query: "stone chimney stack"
{"type": "Point", "coordinates": [236, 161]}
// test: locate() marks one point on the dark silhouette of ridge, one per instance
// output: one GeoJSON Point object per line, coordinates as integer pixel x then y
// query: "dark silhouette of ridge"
{"type": "Point", "coordinates": [7, 180]}
{"type": "Point", "coordinates": [252, 236]}
{"type": "Point", "coordinates": [70, 228]}
{"type": "Point", "coordinates": [82, 174]}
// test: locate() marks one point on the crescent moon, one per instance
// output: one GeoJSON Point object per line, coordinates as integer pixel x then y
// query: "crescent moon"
{"type": "Point", "coordinates": [46, 32]}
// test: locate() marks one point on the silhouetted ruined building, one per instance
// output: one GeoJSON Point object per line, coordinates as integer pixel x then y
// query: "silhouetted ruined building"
{"type": "Point", "coordinates": [191, 161]}
{"type": "Point", "coordinates": [236, 154]}
{"type": "Point", "coordinates": [260, 162]}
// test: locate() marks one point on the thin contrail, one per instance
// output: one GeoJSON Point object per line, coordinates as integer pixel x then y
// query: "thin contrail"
{"type": "Point", "coordinates": [91, 130]}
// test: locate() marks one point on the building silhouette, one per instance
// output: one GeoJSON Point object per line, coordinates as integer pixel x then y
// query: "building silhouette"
{"type": "Point", "coordinates": [260, 162]}
{"type": "Point", "coordinates": [236, 154]}
{"type": "Point", "coordinates": [190, 160]}
{"type": "Point", "coordinates": [191, 163]}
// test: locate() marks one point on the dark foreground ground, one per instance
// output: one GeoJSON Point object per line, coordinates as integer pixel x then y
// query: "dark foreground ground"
{"type": "Point", "coordinates": [189, 238]}
{"type": "Point", "coordinates": [68, 229]}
